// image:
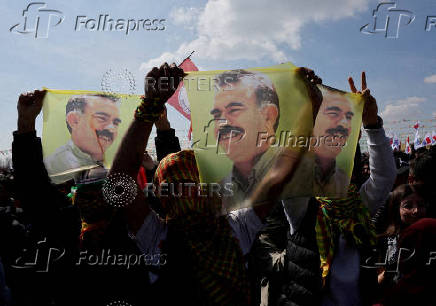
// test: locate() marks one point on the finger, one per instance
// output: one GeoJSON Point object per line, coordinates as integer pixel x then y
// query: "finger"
{"type": "Point", "coordinates": [364, 81]}
{"type": "Point", "coordinates": [307, 71]}
{"type": "Point", "coordinates": [39, 94]}
{"type": "Point", "coordinates": [352, 87]}
{"type": "Point", "coordinates": [164, 69]}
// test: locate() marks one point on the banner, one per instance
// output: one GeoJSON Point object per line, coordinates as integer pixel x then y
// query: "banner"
{"type": "Point", "coordinates": [83, 129]}
{"type": "Point", "coordinates": [242, 119]}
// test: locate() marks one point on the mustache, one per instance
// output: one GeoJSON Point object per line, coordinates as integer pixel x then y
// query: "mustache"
{"type": "Point", "coordinates": [105, 133]}
{"type": "Point", "coordinates": [338, 130]}
{"type": "Point", "coordinates": [226, 129]}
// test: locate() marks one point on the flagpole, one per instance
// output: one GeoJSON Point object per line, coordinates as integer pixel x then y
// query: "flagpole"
{"type": "Point", "coordinates": [189, 56]}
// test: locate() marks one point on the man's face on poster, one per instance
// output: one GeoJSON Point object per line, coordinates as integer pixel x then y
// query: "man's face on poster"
{"type": "Point", "coordinates": [239, 120]}
{"type": "Point", "coordinates": [95, 129]}
{"type": "Point", "coordinates": [332, 124]}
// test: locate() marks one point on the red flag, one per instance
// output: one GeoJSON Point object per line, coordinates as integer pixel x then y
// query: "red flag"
{"type": "Point", "coordinates": [180, 98]}
{"type": "Point", "coordinates": [427, 139]}
{"type": "Point", "coordinates": [416, 126]}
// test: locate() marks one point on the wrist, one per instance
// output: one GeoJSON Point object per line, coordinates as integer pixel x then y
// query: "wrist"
{"type": "Point", "coordinates": [25, 125]}
{"type": "Point", "coordinates": [163, 126]}
{"type": "Point", "coordinates": [376, 123]}
{"type": "Point", "coordinates": [149, 110]}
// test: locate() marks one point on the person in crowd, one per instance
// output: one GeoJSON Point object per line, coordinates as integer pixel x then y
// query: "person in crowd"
{"type": "Point", "coordinates": [205, 263]}
{"type": "Point", "coordinates": [407, 204]}
{"type": "Point", "coordinates": [422, 170]}
{"type": "Point", "coordinates": [56, 224]}
{"type": "Point", "coordinates": [5, 292]}
{"type": "Point", "coordinates": [306, 234]}
{"type": "Point", "coordinates": [166, 142]}
{"type": "Point", "coordinates": [54, 221]}
{"type": "Point", "coordinates": [417, 266]}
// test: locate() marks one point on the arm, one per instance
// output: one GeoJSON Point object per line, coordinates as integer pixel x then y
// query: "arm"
{"type": "Point", "coordinates": [376, 189]}
{"type": "Point", "coordinates": [270, 188]}
{"type": "Point", "coordinates": [130, 153]}
{"type": "Point", "coordinates": [166, 141]}
{"type": "Point", "coordinates": [46, 206]}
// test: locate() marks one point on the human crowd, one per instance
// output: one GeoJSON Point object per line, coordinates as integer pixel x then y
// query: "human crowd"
{"type": "Point", "coordinates": [67, 244]}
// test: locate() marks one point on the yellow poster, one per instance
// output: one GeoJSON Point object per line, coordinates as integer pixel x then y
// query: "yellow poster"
{"type": "Point", "coordinates": [83, 129]}
{"type": "Point", "coordinates": [243, 118]}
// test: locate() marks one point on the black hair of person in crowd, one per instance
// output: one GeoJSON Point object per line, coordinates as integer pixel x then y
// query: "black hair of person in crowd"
{"type": "Point", "coordinates": [407, 204]}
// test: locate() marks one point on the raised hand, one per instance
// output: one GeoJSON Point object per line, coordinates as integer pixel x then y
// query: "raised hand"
{"type": "Point", "coordinates": [162, 82]}
{"type": "Point", "coordinates": [29, 106]}
{"type": "Point", "coordinates": [311, 81]}
{"type": "Point", "coordinates": [370, 109]}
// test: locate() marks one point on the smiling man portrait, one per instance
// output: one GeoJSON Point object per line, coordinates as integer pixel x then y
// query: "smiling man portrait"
{"type": "Point", "coordinates": [92, 121]}
{"type": "Point", "coordinates": [246, 104]}
{"type": "Point", "coordinates": [334, 123]}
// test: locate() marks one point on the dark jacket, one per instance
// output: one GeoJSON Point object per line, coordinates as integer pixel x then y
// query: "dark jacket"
{"type": "Point", "coordinates": [295, 279]}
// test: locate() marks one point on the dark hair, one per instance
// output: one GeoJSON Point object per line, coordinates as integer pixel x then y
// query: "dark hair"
{"type": "Point", "coordinates": [78, 103]}
{"type": "Point", "coordinates": [263, 91]}
{"type": "Point", "coordinates": [394, 201]}
{"type": "Point", "coordinates": [423, 168]}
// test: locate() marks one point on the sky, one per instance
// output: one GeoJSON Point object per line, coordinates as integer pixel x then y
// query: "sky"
{"type": "Point", "coordinates": [324, 35]}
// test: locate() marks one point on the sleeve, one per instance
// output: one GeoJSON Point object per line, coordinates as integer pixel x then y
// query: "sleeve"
{"type": "Point", "coordinates": [166, 142]}
{"type": "Point", "coordinates": [46, 206]}
{"type": "Point", "coordinates": [383, 171]}
{"type": "Point", "coordinates": [245, 225]}
{"type": "Point", "coordinates": [150, 235]}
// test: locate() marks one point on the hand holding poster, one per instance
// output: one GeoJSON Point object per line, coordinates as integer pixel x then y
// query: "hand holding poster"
{"type": "Point", "coordinates": [242, 121]}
